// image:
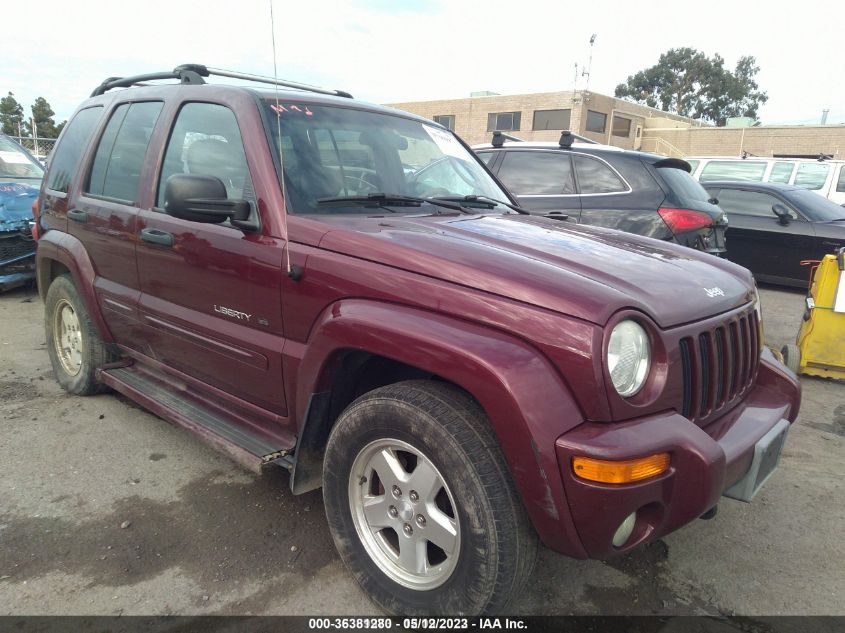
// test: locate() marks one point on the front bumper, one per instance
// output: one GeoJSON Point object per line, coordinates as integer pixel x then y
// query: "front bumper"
{"type": "Point", "coordinates": [705, 463]}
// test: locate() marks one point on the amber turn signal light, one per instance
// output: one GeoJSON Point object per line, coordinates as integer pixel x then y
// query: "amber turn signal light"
{"type": "Point", "coordinates": [620, 472]}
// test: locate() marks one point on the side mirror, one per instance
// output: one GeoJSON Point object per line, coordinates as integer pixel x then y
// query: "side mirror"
{"type": "Point", "coordinates": [202, 199]}
{"type": "Point", "coordinates": [713, 200]}
{"type": "Point", "coordinates": [782, 212]}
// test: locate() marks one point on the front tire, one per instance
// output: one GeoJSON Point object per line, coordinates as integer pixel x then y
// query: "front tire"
{"type": "Point", "coordinates": [421, 505]}
{"type": "Point", "coordinates": [75, 348]}
{"type": "Point", "coordinates": [791, 357]}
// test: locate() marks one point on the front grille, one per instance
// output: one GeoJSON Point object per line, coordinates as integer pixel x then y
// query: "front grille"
{"type": "Point", "coordinates": [718, 365]}
{"type": "Point", "coordinates": [15, 245]}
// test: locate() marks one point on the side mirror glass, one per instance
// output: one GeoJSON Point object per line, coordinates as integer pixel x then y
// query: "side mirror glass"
{"type": "Point", "coordinates": [782, 212]}
{"type": "Point", "coordinates": [201, 199]}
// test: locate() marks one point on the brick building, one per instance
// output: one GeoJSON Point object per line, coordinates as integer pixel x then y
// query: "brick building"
{"type": "Point", "coordinates": [541, 117]}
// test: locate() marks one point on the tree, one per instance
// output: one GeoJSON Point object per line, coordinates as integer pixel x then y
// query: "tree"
{"type": "Point", "coordinates": [11, 115]}
{"type": "Point", "coordinates": [687, 82]}
{"type": "Point", "coordinates": [42, 115]}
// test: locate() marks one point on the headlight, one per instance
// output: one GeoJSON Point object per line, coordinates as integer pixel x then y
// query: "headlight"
{"type": "Point", "coordinates": [628, 357]}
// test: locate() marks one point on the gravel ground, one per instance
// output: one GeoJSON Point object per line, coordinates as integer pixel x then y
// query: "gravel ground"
{"type": "Point", "coordinates": [106, 509]}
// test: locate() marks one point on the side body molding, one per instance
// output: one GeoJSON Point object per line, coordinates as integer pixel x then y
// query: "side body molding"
{"type": "Point", "coordinates": [528, 405]}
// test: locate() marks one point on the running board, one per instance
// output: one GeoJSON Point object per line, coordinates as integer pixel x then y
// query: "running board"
{"type": "Point", "coordinates": [161, 396]}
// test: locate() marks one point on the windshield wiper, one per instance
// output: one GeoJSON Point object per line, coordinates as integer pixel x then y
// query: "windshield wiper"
{"type": "Point", "coordinates": [379, 199]}
{"type": "Point", "coordinates": [492, 202]}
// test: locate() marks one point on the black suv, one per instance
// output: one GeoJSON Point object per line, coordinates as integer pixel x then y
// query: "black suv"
{"type": "Point", "coordinates": [607, 186]}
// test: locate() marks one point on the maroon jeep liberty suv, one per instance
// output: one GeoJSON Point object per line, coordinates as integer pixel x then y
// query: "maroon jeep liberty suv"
{"type": "Point", "coordinates": [344, 290]}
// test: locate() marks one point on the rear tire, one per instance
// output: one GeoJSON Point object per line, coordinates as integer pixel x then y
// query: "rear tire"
{"type": "Point", "coordinates": [460, 545]}
{"type": "Point", "coordinates": [791, 357]}
{"type": "Point", "coordinates": [75, 348]}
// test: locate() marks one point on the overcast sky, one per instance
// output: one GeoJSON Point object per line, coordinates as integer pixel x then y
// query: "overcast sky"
{"type": "Point", "coordinates": [399, 50]}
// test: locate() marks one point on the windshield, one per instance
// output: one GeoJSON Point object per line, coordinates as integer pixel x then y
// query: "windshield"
{"type": "Point", "coordinates": [15, 163]}
{"type": "Point", "coordinates": [814, 206]}
{"type": "Point", "coordinates": [336, 152]}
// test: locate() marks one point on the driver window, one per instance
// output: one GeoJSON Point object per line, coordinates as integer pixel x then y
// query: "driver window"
{"type": "Point", "coordinates": [206, 141]}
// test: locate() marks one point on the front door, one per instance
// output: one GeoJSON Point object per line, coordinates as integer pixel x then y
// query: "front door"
{"type": "Point", "coordinates": [757, 240]}
{"type": "Point", "coordinates": [211, 293]}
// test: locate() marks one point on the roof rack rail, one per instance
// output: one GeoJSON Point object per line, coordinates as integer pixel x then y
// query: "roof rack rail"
{"type": "Point", "coordinates": [500, 137]}
{"type": "Point", "coordinates": [823, 157]}
{"type": "Point", "coordinates": [193, 74]}
{"type": "Point", "coordinates": [568, 137]}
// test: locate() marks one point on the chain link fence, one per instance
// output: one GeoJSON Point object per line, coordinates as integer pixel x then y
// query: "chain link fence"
{"type": "Point", "coordinates": [38, 147]}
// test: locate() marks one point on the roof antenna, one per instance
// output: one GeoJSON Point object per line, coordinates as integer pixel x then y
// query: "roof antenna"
{"type": "Point", "coordinates": [294, 272]}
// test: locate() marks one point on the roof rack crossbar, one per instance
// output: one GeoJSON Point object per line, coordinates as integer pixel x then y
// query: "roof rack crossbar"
{"type": "Point", "coordinates": [499, 138]}
{"type": "Point", "coordinates": [194, 73]}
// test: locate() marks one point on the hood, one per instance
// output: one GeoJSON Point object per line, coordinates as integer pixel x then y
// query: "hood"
{"type": "Point", "coordinates": [585, 272]}
{"type": "Point", "coordinates": [16, 200]}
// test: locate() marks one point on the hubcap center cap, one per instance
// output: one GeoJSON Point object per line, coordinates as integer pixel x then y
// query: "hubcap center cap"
{"type": "Point", "coordinates": [406, 512]}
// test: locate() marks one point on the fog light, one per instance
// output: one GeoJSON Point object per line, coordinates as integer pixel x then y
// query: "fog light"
{"type": "Point", "coordinates": [623, 532]}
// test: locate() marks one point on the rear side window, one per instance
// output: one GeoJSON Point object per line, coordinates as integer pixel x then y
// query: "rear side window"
{"type": "Point", "coordinates": [781, 172]}
{"type": "Point", "coordinates": [65, 159]}
{"type": "Point", "coordinates": [537, 173]}
{"type": "Point", "coordinates": [692, 165]}
{"type": "Point", "coordinates": [840, 185]}
{"type": "Point", "coordinates": [750, 203]}
{"type": "Point", "coordinates": [682, 184]}
{"type": "Point", "coordinates": [732, 170]}
{"type": "Point", "coordinates": [811, 175]}
{"type": "Point", "coordinates": [595, 176]}
{"type": "Point", "coordinates": [116, 172]}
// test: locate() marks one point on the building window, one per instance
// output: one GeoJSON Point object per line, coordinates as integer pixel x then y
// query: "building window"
{"type": "Point", "coordinates": [551, 119]}
{"type": "Point", "coordinates": [504, 121]}
{"type": "Point", "coordinates": [621, 127]}
{"type": "Point", "coordinates": [446, 120]}
{"type": "Point", "coordinates": [596, 122]}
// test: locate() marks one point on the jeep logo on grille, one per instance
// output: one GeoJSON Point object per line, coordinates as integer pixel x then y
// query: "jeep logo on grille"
{"type": "Point", "coordinates": [714, 292]}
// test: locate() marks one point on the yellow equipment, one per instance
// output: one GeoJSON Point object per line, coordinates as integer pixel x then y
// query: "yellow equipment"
{"type": "Point", "coordinates": [820, 348]}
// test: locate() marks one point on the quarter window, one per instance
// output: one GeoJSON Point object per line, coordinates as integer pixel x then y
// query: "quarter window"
{"type": "Point", "coordinates": [116, 171]}
{"type": "Point", "coordinates": [621, 127]}
{"type": "Point", "coordinates": [811, 175]}
{"type": "Point", "coordinates": [66, 157]}
{"type": "Point", "coordinates": [505, 121]}
{"type": "Point", "coordinates": [206, 141]}
{"type": "Point", "coordinates": [446, 120]}
{"type": "Point", "coordinates": [595, 176]}
{"type": "Point", "coordinates": [487, 157]}
{"type": "Point", "coordinates": [733, 170]}
{"type": "Point", "coordinates": [840, 185]}
{"type": "Point", "coordinates": [596, 121]}
{"type": "Point", "coordinates": [537, 173]}
{"type": "Point", "coordinates": [552, 119]}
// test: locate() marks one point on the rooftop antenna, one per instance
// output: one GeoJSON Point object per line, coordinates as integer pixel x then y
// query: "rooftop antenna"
{"type": "Point", "coordinates": [294, 273]}
{"type": "Point", "coordinates": [586, 71]}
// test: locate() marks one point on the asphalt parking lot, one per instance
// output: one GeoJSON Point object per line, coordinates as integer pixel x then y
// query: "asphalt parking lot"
{"type": "Point", "coordinates": [106, 509]}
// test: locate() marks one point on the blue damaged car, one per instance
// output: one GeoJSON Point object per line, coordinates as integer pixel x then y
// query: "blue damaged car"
{"type": "Point", "coordinates": [20, 181]}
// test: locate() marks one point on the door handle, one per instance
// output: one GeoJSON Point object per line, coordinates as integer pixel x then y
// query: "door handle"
{"type": "Point", "coordinates": [77, 216]}
{"type": "Point", "coordinates": [154, 236]}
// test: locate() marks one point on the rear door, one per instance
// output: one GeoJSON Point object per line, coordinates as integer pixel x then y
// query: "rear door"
{"type": "Point", "coordinates": [542, 181]}
{"type": "Point", "coordinates": [105, 215]}
{"type": "Point", "coordinates": [757, 240]}
{"type": "Point", "coordinates": [620, 195]}
{"type": "Point", "coordinates": [211, 293]}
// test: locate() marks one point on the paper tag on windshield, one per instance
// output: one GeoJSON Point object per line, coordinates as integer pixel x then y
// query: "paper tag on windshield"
{"type": "Point", "coordinates": [13, 157]}
{"type": "Point", "coordinates": [447, 143]}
